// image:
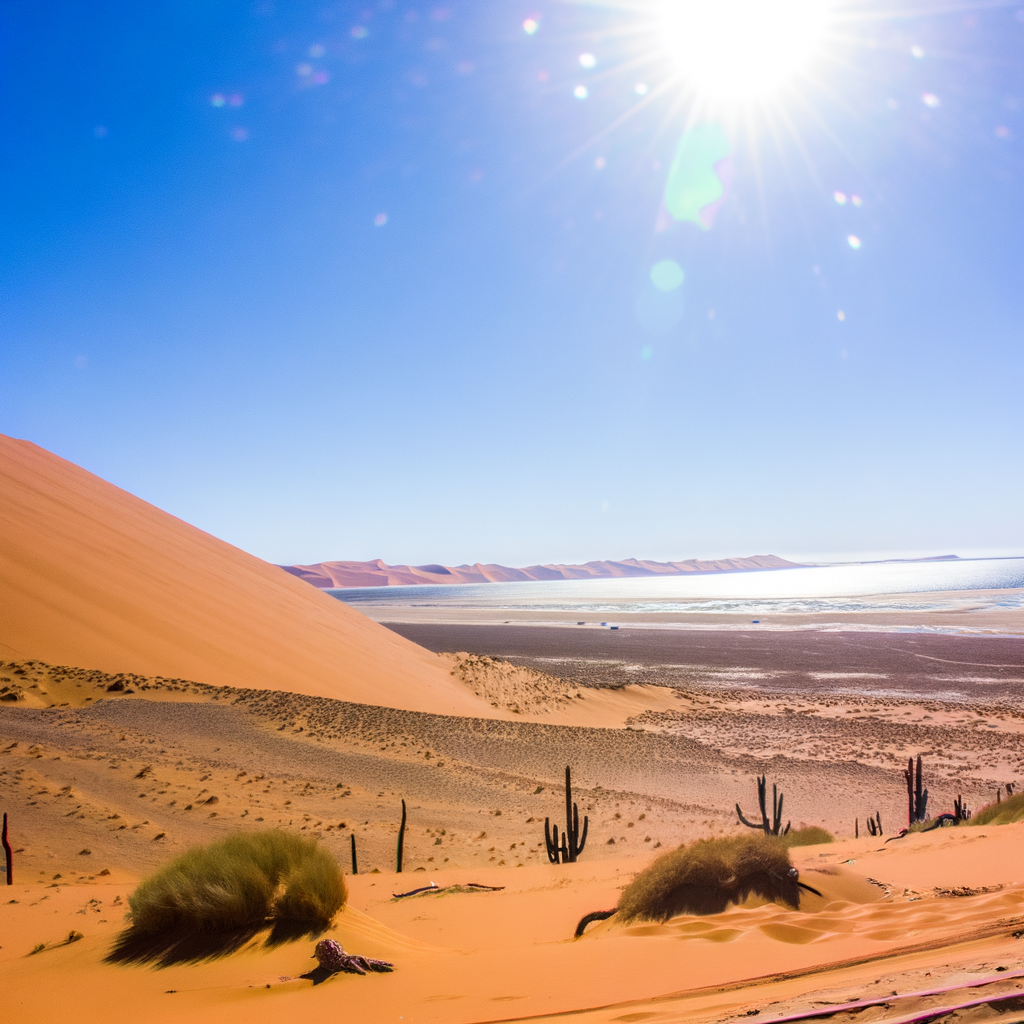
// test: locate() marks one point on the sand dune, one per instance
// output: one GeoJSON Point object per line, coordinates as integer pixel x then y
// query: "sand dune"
{"type": "Point", "coordinates": [378, 574]}
{"type": "Point", "coordinates": [93, 576]}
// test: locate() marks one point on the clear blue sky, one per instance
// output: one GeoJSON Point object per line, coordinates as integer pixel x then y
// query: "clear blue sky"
{"type": "Point", "coordinates": [198, 304]}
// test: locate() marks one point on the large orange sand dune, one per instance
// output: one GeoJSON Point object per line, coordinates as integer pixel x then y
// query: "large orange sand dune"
{"type": "Point", "coordinates": [93, 576]}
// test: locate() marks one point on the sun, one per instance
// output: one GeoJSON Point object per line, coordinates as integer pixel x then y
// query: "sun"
{"type": "Point", "coordinates": [742, 50]}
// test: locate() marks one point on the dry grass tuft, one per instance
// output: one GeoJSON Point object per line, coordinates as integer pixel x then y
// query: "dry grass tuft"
{"type": "Point", "coordinates": [1003, 813]}
{"type": "Point", "coordinates": [810, 836]}
{"type": "Point", "coordinates": [241, 881]}
{"type": "Point", "coordinates": [708, 875]}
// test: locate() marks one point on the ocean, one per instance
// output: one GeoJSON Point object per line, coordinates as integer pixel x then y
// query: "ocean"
{"type": "Point", "coordinates": [875, 587]}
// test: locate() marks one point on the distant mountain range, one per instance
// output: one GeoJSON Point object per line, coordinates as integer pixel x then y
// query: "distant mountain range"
{"type": "Point", "coordinates": [327, 575]}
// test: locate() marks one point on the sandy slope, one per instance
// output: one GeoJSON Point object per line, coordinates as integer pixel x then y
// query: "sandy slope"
{"type": "Point", "coordinates": [93, 576]}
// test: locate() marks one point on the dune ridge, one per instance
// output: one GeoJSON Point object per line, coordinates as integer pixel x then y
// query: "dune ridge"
{"type": "Point", "coordinates": [93, 576]}
{"type": "Point", "coordinates": [376, 573]}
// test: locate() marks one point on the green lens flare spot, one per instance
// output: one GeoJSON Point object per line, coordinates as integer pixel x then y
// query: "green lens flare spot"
{"type": "Point", "coordinates": [667, 275]}
{"type": "Point", "coordinates": [698, 177]}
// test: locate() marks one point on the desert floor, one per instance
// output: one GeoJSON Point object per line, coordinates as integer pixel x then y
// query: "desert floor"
{"type": "Point", "coordinates": [103, 785]}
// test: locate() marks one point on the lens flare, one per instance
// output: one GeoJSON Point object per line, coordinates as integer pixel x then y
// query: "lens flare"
{"type": "Point", "coordinates": [580, 92]}
{"type": "Point", "coordinates": [743, 49]}
{"type": "Point", "coordinates": [667, 275]}
{"type": "Point", "coordinates": [700, 174]}
{"type": "Point", "coordinates": [853, 241]}
{"type": "Point", "coordinates": [840, 198]}
{"type": "Point", "coordinates": [380, 220]}
{"type": "Point", "coordinates": [587, 60]}
{"type": "Point", "coordinates": [530, 26]}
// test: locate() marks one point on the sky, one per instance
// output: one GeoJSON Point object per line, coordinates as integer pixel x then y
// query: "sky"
{"type": "Point", "coordinates": [556, 281]}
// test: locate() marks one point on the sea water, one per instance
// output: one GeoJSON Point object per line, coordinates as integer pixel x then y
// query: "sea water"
{"type": "Point", "coordinates": [803, 589]}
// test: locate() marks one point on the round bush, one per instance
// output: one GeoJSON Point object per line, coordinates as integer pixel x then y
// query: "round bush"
{"type": "Point", "coordinates": [244, 880]}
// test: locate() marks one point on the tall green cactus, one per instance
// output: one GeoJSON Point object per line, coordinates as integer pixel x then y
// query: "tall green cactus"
{"type": "Point", "coordinates": [770, 826]}
{"type": "Point", "coordinates": [572, 842]}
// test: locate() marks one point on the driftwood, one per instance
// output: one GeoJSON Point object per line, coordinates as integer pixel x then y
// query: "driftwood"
{"type": "Point", "coordinates": [433, 887]}
{"type": "Point", "coordinates": [597, 915]}
{"type": "Point", "coordinates": [331, 957]}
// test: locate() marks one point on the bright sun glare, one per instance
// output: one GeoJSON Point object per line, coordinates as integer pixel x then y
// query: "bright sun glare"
{"type": "Point", "coordinates": [742, 49]}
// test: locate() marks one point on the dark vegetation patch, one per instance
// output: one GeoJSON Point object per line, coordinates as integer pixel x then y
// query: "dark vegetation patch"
{"type": "Point", "coordinates": [707, 876]}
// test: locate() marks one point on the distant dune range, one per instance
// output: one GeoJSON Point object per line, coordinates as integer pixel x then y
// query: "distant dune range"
{"type": "Point", "coordinates": [326, 575]}
{"type": "Point", "coordinates": [93, 576]}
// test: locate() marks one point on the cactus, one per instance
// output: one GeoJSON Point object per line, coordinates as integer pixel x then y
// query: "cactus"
{"type": "Point", "coordinates": [572, 841]}
{"type": "Point", "coordinates": [917, 795]}
{"type": "Point", "coordinates": [8, 856]}
{"type": "Point", "coordinates": [960, 811]}
{"type": "Point", "coordinates": [770, 826]}
{"type": "Point", "coordinates": [401, 841]}
{"type": "Point", "coordinates": [875, 824]}
{"type": "Point", "coordinates": [355, 866]}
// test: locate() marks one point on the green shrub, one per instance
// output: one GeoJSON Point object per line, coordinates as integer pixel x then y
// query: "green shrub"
{"type": "Point", "coordinates": [241, 881]}
{"type": "Point", "coordinates": [1008, 810]}
{"type": "Point", "coordinates": [708, 875]}
{"type": "Point", "coordinates": [810, 836]}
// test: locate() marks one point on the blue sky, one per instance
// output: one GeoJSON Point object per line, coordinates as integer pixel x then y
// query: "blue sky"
{"type": "Point", "coordinates": [198, 301]}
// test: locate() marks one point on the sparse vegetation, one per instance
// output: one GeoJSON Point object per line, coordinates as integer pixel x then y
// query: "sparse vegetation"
{"type": "Point", "coordinates": [1001, 812]}
{"type": "Point", "coordinates": [770, 826]}
{"type": "Point", "coordinates": [917, 795]}
{"type": "Point", "coordinates": [810, 836]}
{"type": "Point", "coordinates": [573, 840]}
{"type": "Point", "coordinates": [708, 875]}
{"type": "Point", "coordinates": [241, 881]}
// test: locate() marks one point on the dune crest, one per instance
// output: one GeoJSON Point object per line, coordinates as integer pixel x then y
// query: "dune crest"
{"type": "Point", "coordinates": [93, 576]}
{"type": "Point", "coordinates": [377, 573]}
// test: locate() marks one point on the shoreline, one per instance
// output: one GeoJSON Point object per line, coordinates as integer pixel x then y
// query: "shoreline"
{"type": "Point", "coordinates": [919, 666]}
{"type": "Point", "coordinates": [969, 613]}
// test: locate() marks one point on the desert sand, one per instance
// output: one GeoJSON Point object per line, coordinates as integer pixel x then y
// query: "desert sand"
{"type": "Point", "coordinates": [160, 689]}
{"type": "Point", "coordinates": [102, 790]}
{"type": "Point", "coordinates": [93, 576]}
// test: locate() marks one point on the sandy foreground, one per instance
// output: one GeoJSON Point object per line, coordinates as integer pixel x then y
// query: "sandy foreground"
{"type": "Point", "coordinates": [104, 785]}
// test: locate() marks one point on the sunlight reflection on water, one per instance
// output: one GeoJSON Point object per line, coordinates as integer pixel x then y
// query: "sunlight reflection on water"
{"type": "Point", "coordinates": [810, 589]}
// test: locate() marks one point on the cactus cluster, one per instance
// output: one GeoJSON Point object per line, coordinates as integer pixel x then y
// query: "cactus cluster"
{"type": "Point", "coordinates": [572, 841]}
{"type": "Point", "coordinates": [770, 826]}
{"type": "Point", "coordinates": [917, 795]}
